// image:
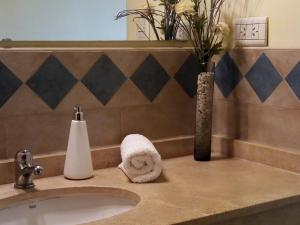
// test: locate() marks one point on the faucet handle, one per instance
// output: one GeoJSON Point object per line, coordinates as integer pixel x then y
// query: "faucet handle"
{"type": "Point", "coordinates": [38, 170]}
{"type": "Point", "coordinates": [24, 157]}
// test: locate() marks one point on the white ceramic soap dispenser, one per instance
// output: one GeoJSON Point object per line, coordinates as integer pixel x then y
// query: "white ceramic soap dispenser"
{"type": "Point", "coordinates": [78, 164]}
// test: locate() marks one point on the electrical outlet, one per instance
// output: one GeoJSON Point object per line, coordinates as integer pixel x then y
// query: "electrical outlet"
{"type": "Point", "coordinates": [243, 32]}
{"type": "Point", "coordinates": [252, 31]}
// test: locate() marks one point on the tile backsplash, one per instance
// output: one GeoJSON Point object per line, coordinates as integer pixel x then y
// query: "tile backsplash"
{"type": "Point", "coordinates": [264, 106]}
{"type": "Point", "coordinates": [150, 92]}
{"type": "Point", "coordinates": [121, 92]}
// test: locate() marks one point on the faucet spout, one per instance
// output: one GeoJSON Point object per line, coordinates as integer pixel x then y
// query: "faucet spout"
{"type": "Point", "coordinates": [25, 170]}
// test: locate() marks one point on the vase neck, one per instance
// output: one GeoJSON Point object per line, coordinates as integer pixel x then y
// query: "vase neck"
{"type": "Point", "coordinates": [208, 67]}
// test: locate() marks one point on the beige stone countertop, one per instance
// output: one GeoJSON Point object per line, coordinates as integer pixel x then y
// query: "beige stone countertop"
{"type": "Point", "coordinates": [187, 190]}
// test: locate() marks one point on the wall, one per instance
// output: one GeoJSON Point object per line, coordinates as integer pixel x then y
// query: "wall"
{"type": "Point", "coordinates": [257, 99]}
{"type": "Point", "coordinates": [132, 27]}
{"type": "Point", "coordinates": [284, 23]}
{"type": "Point", "coordinates": [121, 91]}
{"type": "Point", "coordinates": [150, 92]}
{"type": "Point", "coordinates": [263, 106]}
{"type": "Point", "coordinates": [284, 19]}
{"type": "Point", "coordinates": [61, 20]}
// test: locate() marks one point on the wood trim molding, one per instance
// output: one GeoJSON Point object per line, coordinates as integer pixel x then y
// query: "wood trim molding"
{"type": "Point", "coordinates": [94, 44]}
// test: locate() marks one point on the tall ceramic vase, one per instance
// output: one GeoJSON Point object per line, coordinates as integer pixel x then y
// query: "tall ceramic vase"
{"type": "Point", "coordinates": [204, 109]}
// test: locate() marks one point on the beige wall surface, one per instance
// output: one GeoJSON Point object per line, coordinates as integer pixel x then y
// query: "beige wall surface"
{"type": "Point", "coordinates": [131, 26]}
{"type": "Point", "coordinates": [284, 28]}
{"type": "Point", "coordinates": [284, 21]}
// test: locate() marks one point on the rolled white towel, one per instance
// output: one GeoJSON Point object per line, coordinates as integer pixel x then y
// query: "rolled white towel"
{"type": "Point", "coordinates": [140, 160]}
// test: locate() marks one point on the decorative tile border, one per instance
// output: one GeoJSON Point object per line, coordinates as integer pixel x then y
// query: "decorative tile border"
{"type": "Point", "coordinates": [263, 78]}
{"type": "Point", "coordinates": [104, 79]}
{"type": "Point", "coordinates": [293, 79]}
{"type": "Point", "coordinates": [228, 75]}
{"type": "Point", "coordinates": [52, 81]}
{"type": "Point", "coordinates": [9, 84]}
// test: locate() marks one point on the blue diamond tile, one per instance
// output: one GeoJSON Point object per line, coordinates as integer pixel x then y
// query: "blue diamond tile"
{"type": "Point", "coordinates": [150, 78]}
{"type": "Point", "coordinates": [227, 75]}
{"type": "Point", "coordinates": [104, 79]}
{"type": "Point", "coordinates": [9, 83]}
{"type": "Point", "coordinates": [293, 79]}
{"type": "Point", "coordinates": [52, 81]}
{"type": "Point", "coordinates": [187, 75]}
{"type": "Point", "coordinates": [263, 77]}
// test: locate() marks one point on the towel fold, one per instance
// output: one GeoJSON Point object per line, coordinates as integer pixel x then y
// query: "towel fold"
{"type": "Point", "coordinates": [140, 160]}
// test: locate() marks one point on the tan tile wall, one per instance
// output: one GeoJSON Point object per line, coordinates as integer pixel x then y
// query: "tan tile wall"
{"type": "Point", "coordinates": [276, 122]}
{"type": "Point", "coordinates": [28, 122]}
{"type": "Point", "coordinates": [2, 142]}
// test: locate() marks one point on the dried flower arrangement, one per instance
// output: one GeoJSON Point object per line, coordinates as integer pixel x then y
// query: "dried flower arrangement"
{"type": "Point", "coordinates": [198, 19]}
{"type": "Point", "coordinates": [161, 16]}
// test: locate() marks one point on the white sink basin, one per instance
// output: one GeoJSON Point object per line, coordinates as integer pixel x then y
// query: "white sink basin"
{"type": "Point", "coordinates": [67, 208]}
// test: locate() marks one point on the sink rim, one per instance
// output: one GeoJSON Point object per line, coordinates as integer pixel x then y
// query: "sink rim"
{"type": "Point", "coordinates": [35, 195]}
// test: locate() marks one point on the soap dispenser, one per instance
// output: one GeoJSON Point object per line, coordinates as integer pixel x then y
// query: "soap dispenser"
{"type": "Point", "coordinates": [78, 164]}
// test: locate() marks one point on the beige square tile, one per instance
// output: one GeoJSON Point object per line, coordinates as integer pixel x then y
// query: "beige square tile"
{"type": "Point", "coordinates": [3, 154]}
{"type": "Point", "coordinates": [171, 61]}
{"type": "Point", "coordinates": [48, 133]}
{"type": "Point", "coordinates": [217, 93]}
{"type": "Point", "coordinates": [79, 94]}
{"type": "Point", "coordinates": [128, 95]}
{"type": "Point", "coordinates": [172, 92]}
{"type": "Point", "coordinates": [175, 147]}
{"type": "Point", "coordinates": [245, 58]}
{"type": "Point", "coordinates": [284, 60]}
{"type": "Point", "coordinates": [225, 118]}
{"type": "Point", "coordinates": [24, 63]}
{"type": "Point", "coordinates": [24, 102]}
{"type": "Point", "coordinates": [105, 158]}
{"type": "Point", "coordinates": [2, 130]}
{"type": "Point", "coordinates": [7, 176]}
{"type": "Point", "coordinates": [159, 120]}
{"type": "Point", "coordinates": [283, 96]}
{"type": "Point", "coordinates": [78, 63]}
{"type": "Point", "coordinates": [271, 126]}
{"type": "Point", "coordinates": [104, 126]}
{"type": "Point", "coordinates": [40, 133]}
{"type": "Point", "coordinates": [244, 93]}
{"type": "Point", "coordinates": [53, 164]}
{"type": "Point", "coordinates": [128, 61]}
{"type": "Point", "coordinates": [2, 141]}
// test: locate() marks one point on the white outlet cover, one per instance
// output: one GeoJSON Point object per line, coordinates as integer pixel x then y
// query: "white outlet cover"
{"type": "Point", "coordinates": [252, 31]}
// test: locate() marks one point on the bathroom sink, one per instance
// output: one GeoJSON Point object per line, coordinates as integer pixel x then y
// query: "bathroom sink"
{"type": "Point", "coordinates": [67, 207]}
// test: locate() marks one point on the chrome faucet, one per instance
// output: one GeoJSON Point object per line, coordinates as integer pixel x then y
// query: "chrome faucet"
{"type": "Point", "coordinates": [25, 170]}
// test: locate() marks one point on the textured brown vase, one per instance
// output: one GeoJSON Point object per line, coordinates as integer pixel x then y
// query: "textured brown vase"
{"type": "Point", "coordinates": [204, 108]}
